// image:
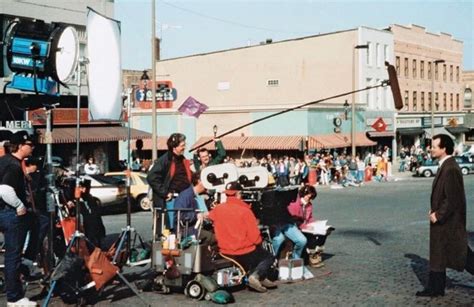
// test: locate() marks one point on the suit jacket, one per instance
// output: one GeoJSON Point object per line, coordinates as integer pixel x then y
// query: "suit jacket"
{"type": "Point", "coordinates": [448, 237]}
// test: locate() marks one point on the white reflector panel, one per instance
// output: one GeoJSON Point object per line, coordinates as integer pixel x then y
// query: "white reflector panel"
{"type": "Point", "coordinates": [105, 67]}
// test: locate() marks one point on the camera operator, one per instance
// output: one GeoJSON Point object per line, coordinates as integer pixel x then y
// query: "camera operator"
{"type": "Point", "coordinates": [13, 223]}
{"type": "Point", "coordinates": [239, 238]}
{"type": "Point", "coordinates": [94, 228]}
{"type": "Point", "coordinates": [170, 175]}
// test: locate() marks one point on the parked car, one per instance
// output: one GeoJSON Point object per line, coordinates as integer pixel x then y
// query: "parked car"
{"type": "Point", "coordinates": [106, 190]}
{"type": "Point", "coordinates": [430, 167]}
{"type": "Point", "coordinates": [138, 189]}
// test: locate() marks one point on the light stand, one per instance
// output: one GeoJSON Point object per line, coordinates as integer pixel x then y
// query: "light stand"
{"type": "Point", "coordinates": [126, 233]}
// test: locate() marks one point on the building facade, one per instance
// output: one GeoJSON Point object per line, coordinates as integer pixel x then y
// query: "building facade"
{"type": "Point", "coordinates": [429, 68]}
{"type": "Point", "coordinates": [468, 86]}
{"type": "Point", "coordinates": [245, 84]}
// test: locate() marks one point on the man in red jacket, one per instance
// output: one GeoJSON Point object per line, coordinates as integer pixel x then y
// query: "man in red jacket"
{"type": "Point", "coordinates": [238, 237]}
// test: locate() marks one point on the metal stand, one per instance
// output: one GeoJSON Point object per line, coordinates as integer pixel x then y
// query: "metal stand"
{"type": "Point", "coordinates": [75, 241]}
{"type": "Point", "coordinates": [126, 234]}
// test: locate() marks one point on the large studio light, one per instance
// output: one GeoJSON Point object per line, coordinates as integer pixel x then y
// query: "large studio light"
{"type": "Point", "coordinates": [105, 67]}
{"type": "Point", "coordinates": [41, 55]}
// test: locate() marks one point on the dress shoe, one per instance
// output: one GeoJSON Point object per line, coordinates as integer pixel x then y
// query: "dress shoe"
{"type": "Point", "coordinates": [429, 293]}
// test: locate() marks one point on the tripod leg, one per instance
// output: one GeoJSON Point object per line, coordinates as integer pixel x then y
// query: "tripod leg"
{"type": "Point", "coordinates": [123, 236]}
{"type": "Point", "coordinates": [132, 288]}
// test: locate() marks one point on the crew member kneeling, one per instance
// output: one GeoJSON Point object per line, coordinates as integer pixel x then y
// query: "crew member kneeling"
{"type": "Point", "coordinates": [238, 237]}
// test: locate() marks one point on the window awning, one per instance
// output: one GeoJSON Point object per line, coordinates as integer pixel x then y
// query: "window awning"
{"type": "Point", "coordinates": [257, 142]}
{"type": "Point", "coordinates": [410, 131]}
{"type": "Point", "coordinates": [148, 144]}
{"type": "Point", "coordinates": [66, 135]}
{"type": "Point", "coordinates": [437, 130]}
{"type": "Point", "coordinates": [458, 129]}
{"type": "Point", "coordinates": [339, 140]}
{"type": "Point", "coordinates": [377, 134]}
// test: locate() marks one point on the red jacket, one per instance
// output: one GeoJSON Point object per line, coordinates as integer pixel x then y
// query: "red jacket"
{"type": "Point", "coordinates": [236, 227]}
{"type": "Point", "coordinates": [303, 213]}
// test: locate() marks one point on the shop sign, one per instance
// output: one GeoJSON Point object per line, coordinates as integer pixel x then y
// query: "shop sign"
{"type": "Point", "coordinates": [379, 125]}
{"type": "Point", "coordinates": [453, 121]}
{"type": "Point", "coordinates": [16, 124]}
{"type": "Point", "coordinates": [408, 122]}
{"type": "Point", "coordinates": [438, 121]}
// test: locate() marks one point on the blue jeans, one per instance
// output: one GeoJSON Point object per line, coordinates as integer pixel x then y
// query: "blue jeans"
{"type": "Point", "coordinates": [360, 175]}
{"type": "Point", "coordinates": [171, 214]}
{"type": "Point", "coordinates": [402, 166]}
{"type": "Point", "coordinates": [292, 232]}
{"type": "Point", "coordinates": [14, 231]}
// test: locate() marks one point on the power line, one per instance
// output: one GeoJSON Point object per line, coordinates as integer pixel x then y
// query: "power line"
{"type": "Point", "coordinates": [230, 21]}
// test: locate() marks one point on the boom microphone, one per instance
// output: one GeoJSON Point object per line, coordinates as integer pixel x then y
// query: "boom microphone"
{"type": "Point", "coordinates": [393, 82]}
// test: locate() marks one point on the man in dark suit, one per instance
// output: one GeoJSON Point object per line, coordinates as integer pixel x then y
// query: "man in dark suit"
{"type": "Point", "coordinates": [448, 236]}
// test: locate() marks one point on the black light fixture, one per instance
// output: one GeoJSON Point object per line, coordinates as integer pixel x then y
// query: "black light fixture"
{"type": "Point", "coordinates": [346, 109]}
{"type": "Point", "coordinates": [144, 79]}
{"type": "Point", "coordinates": [214, 129]}
{"type": "Point", "coordinates": [41, 55]}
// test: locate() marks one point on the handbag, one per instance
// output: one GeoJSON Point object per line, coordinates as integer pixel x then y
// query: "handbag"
{"type": "Point", "coordinates": [100, 268]}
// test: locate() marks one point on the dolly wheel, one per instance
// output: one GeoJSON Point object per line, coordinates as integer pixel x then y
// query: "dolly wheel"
{"type": "Point", "coordinates": [195, 290]}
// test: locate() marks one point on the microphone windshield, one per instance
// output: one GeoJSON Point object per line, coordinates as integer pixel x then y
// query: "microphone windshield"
{"type": "Point", "coordinates": [393, 81]}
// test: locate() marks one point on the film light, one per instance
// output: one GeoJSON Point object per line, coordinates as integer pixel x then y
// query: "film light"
{"type": "Point", "coordinates": [41, 55]}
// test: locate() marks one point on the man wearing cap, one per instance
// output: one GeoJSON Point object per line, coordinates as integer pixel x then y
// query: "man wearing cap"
{"type": "Point", "coordinates": [238, 237]}
{"type": "Point", "coordinates": [12, 217]}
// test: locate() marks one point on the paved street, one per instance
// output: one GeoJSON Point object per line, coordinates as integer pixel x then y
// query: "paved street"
{"type": "Point", "coordinates": [377, 256]}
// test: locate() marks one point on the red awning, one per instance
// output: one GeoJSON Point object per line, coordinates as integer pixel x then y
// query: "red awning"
{"type": "Point", "coordinates": [93, 134]}
{"type": "Point", "coordinates": [339, 140]}
{"type": "Point", "coordinates": [256, 142]}
{"type": "Point", "coordinates": [147, 143]}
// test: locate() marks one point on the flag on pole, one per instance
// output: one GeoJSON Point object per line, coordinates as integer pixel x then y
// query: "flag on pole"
{"type": "Point", "coordinates": [192, 107]}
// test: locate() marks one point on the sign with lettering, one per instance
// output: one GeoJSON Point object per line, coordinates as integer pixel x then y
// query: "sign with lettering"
{"type": "Point", "coordinates": [17, 125]}
{"type": "Point", "coordinates": [165, 94]}
{"type": "Point", "coordinates": [408, 122]}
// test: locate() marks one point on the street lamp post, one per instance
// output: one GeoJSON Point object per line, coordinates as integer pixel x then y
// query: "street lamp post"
{"type": "Point", "coordinates": [436, 62]}
{"type": "Point", "coordinates": [154, 154]}
{"type": "Point", "coordinates": [353, 119]}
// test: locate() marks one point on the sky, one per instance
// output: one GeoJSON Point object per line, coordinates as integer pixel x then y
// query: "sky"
{"type": "Point", "coordinates": [189, 27]}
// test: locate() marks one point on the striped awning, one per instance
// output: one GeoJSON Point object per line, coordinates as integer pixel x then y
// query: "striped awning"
{"type": "Point", "coordinates": [339, 140]}
{"type": "Point", "coordinates": [256, 142]}
{"type": "Point", "coordinates": [65, 135]}
{"type": "Point", "coordinates": [147, 143]}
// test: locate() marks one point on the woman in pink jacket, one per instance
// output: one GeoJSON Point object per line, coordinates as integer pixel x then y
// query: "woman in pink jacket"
{"type": "Point", "coordinates": [302, 211]}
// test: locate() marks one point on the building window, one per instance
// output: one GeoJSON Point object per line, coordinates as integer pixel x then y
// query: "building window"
{"type": "Point", "coordinates": [429, 71]}
{"type": "Point", "coordinates": [377, 54]}
{"type": "Point", "coordinates": [457, 103]}
{"type": "Point", "coordinates": [451, 73]}
{"type": "Point", "coordinates": [430, 103]}
{"type": "Point", "coordinates": [422, 101]}
{"type": "Point", "coordinates": [397, 65]}
{"type": "Point", "coordinates": [385, 53]}
{"type": "Point", "coordinates": [414, 69]}
{"type": "Point", "coordinates": [445, 101]}
{"type": "Point", "coordinates": [457, 73]}
{"type": "Point", "coordinates": [368, 93]}
{"type": "Point", "coordinates": [444, 72]}
{"type": "Point", "coordinates": [451, 101]}
{"type": "Point", "coordinates": [406, 100]}
{"type": "Point", "coordinates": [273, 82]}
{"type": "Point", "coordinates": [422, 69]}
{"type": "Point", "coordinates": [368, 53]}
{"type": "Point", "coordinates": [436, 71]}
{"type": "Point", "coordinates": [467, 98]}
{"type": "Point", "coordinates": [406, 67]}
{"type": "Point", "coordinates": [415, 107]}
{"type": "Point", "coordinates": [437, 101]}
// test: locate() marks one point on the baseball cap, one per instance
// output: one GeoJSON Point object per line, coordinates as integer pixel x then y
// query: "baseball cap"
{"type": "Point", "coordinates": [232, 187]}
{"type": "Point", "coordinates": [20, 137]}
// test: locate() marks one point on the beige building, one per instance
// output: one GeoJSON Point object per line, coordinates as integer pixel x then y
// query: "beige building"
{"type": "Point", "coordinates": [245, 84]}
{"type": "Point", "coordinates": [429, 68]}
